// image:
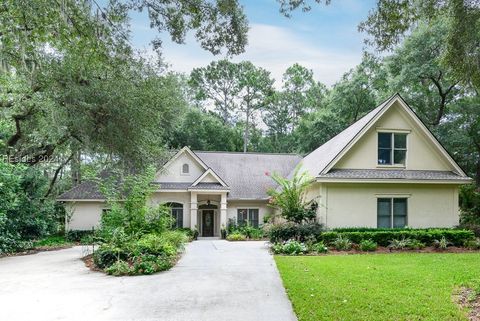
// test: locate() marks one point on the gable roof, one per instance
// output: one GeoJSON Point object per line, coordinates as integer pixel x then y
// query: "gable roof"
{"type": "Point", "coordinates": [209, 171]}
{"type": "Point", "coordinates": [246, 173]}
{"type": "Point", "coordinates": [322, 160]}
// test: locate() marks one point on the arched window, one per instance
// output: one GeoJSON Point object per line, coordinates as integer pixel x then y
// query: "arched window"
{"type": "Point", "coordinates": [185, 169]}
{"type": "Point", "coordinates": [177, 214]}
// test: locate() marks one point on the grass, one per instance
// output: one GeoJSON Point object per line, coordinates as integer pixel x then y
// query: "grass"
{"type": "Point", "coordinates": [52, 241]}
{"type": "Point", "coordinates": [404, 286]}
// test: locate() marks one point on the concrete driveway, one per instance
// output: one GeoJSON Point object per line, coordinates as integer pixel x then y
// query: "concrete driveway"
{"type": "Point", "coordinates": [214, 280]}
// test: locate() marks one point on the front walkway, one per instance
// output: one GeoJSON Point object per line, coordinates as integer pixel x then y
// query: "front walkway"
{"type": "Point", "coordinates": [214, 280]}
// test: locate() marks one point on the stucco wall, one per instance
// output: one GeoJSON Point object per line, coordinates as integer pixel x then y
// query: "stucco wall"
{"type": "Point", "coordinates": [233, 206]}
{"type": "Point", "coordinates": [421, 153]}
{"type": "Point", "coordinates": [180, 197]}
{"type": "Point", "coordinates": [355, 205]}
{"type": "Point", "coordinates": [84, 215]}
{"type": "Point", "coordinates": [173, 173]}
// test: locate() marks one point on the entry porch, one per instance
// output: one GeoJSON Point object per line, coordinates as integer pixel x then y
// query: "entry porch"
{"type": "Point", "coordinates": [208, 212]}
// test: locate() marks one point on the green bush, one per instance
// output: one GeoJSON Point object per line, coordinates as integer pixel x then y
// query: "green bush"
{"type": "Point", "coordinates": [119, 268]}
{"type": "Point", "coordinates": [342, 243]}
{"type": "Point", "coordinates": [78, 235]}
{"type": "Point", "coordinates": [320, 247]}
{"type": "Point", "coordinates": [405, 243]}
{"type": "Point", "coordinates": [283, 232]}
{"type": "Point", "coordinates": [473, 244]}
{"type": "Point", "coordinates": [54, 240]}
{"type": "Point", "coordinates": [441, 244]}
{"type": "Point", "coordinates": [291, 247]}
{"type": "Point", "coordinates": [414, 244]}
{"type": "Point", "coordinates": [236, 237]}
{"type": "Point", "coordinates": [108, 254]}
{"type": "Point", "coordinates": [153, 244]}
{"type": "Point", "coordinates": [367, 246]}
{"type": "Point", "coordinates": [149, 264]}
{"type": "Point", "coordinates": [383, 237]}
{"type": "Point", "coordinates": [25, 213]}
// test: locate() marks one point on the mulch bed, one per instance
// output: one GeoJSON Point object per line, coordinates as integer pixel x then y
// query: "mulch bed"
{"type": "Point", "coordinates": [467, 299]}
{"type": "Point", "coordinates": [88, 260]}
{"type": "Point", "coordinates": [37, 250]}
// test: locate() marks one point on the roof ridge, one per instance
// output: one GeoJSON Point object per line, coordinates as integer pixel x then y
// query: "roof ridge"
{"type": "Point", "coordinates": [247, 153]}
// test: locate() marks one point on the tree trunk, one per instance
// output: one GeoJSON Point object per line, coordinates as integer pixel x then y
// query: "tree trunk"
{"type": "Point", "coordinates": [75, 168]}
{"type": "Point", "coordinates": [245, 134]}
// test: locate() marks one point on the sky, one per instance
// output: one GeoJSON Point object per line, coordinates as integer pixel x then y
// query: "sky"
{"type": "Point", "coordinates": [324, 39]}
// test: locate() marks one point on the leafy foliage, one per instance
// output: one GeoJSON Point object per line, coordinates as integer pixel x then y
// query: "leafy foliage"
{"type": "Point", "coordinates": [290, 197]}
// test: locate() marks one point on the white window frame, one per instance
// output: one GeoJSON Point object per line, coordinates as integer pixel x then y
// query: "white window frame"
{"type": "Point", "coordinates": [392, 132]}
{"type": "Point", "coordinates": [392, 197]}
{"type": "Point", "coordinates": [182, 168]}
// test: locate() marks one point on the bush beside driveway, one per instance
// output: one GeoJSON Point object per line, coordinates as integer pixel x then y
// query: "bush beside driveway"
{"type": "Point", "coordinates": [214, 280]}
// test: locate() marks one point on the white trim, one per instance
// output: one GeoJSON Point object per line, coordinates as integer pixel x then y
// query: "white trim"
{"type": "Point", "coordinates": [209, 171]}
{"type": "Point", "coordinates": [393, 195]}
{"type": "Point", "coordinates": [171, 191]}
{"type": "Point", "coordinates": [392, 181]}
{"type": "Point", "coordinates": [180, 152]}
{"type": "Point", "coordinates": [216, 191]}
{"type": "Point", "coordinates": [423, 128]}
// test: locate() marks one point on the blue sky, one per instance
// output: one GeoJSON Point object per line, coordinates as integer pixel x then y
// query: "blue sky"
{"type": "Point", "coordinates": [325, 39]}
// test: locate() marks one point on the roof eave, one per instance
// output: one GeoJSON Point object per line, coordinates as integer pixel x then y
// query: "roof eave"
{"type": "Point", "coordinates": [393, 180]}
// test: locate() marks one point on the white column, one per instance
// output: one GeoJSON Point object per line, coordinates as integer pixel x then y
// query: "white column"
{"type": "Point", "coordinates": [223, 210]}
{"type": "Point", "coordinates": [193, 211]}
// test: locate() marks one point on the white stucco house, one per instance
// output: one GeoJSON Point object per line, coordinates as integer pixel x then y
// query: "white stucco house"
{"type": "Point", "coordinates": [385, 170]}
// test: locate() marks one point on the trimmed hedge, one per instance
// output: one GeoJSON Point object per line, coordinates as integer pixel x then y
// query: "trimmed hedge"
{"type": "Point", "coordinates": [383, 237]}
{"type": "Point", "coordinates": [300, 232]}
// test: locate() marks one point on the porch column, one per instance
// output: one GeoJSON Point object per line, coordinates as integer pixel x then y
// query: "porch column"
{"type": "Point", "coordinates": [223, 210]}
{"type": "Point", "coordinates": [193, 211]}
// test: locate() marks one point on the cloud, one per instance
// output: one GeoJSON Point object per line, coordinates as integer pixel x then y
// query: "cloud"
{"type": "Point", "coordinates": [273, 48]}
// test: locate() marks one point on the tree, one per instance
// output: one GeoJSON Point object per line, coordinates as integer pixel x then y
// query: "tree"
{"type": "Point", "coordinates": [301, 93]}
{"type": "Point", "coordinates": [256, 87]}
{"type": "Point", "coordinates": [218, 84]}
{"type": "Point", "coordinates": [393, 19]}
{"type": "Point", "coordinates": [359, 90]}
{"type": "Point", "coordinates": [416, 71]}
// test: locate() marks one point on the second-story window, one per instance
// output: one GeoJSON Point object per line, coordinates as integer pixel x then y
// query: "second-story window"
{"type": "Point", "coordinates": [392, 148]}
{"type": "Point", "coordinates": [185, 169]}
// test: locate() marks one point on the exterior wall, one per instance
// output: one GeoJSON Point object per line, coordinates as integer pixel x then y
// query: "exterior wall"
{"type": "Point", "coordinates": [355, 205]}
{"type": "Point", "coordinates": [173, 173]}
{"type": "Point", "coordinates": [177, 197]}
{"type": "Point", "coordinates": [233, 206]}
{"type": "Point", "coordinates": [421, 153]}
{"type": "Point", "coordinates": [84, 215]}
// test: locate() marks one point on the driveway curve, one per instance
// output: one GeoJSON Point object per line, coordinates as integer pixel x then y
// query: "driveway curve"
{"type": "Point", "coordinates": [214, 280]}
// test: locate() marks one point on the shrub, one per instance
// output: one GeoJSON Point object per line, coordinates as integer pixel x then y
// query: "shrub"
{"type": "Point", "coordinates": [153, 244]}
{"type": "Point", "coordinates": [383, 237]}
{"type": "Point", "coordinates": [54, 240]}
{"type": "Point", "coordinates": [342, 243]}
{"type": "Point", "coordinates": [397, 244]}
{"type": "Point", "coordinates": [119, 268]}
{"type": "Point", "coordinates": [149, 264]}
{"type": "Point", "coordinates": [107, 254]}
{"type": "Point", "coordinates": [368, 245]}
{"type": "Point", "coordinates": [291, 247]}
{"type": "Point", "coordinates": [320, 247]}
{"type": "Point", "coordinates": [78, 235]}
{"type": "Point", "coordinates": [415, 244]}
{"type": "Point", "coordinates": [441, 244]}
{"type": "Point", "coordinates": [175, 238]}
{"type": "Point", "coordinates": [283, 232]}
{"type": "Point", "coordinates": [473, 244]}
{"type": "Point", "coordinates": [236, 237]}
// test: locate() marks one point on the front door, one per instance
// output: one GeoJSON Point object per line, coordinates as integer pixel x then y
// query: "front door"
{"type": "Point", "coordinates": [207, 223]}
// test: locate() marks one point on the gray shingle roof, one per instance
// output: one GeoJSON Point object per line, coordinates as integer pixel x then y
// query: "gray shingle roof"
{"type": "Point", "coordinates": [320, 158]}
{"type": "Point", "coordinates": [173, 185]}
{"type": "Point", "coordinates": [245, 173]}
{"type": "Point", "coordinates": [87, 190]}
{"type": "Point", "coordinates": [392, 174]}
{"type": "Point", "coordinates": [212, 186]}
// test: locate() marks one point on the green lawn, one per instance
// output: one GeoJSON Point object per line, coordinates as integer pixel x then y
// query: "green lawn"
{"type": "Point", "coordinates": [406, 286]}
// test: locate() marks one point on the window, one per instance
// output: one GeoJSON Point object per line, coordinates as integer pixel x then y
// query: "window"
{"type": "Point", "coordinates": [392, 148]}
{"type": "Point", "coordinates": [105, 210]}
{"type": "Point", "coordinates": [177, 214]}
{"type": "Point", "coordinates": [247, 216]}
{"type": "Point", "coordinates": [185, 169]}
{"type": "Point", "coordinates": [391, 212]}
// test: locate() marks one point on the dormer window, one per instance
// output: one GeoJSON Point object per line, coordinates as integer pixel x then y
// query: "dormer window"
{"type": "Point", "coordinates": [185, 169]}
{"type": "Point", "coordinates": [392, 148]}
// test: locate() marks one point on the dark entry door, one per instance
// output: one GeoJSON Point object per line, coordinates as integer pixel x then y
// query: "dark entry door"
{"type": "Point", "coordinates": [207, 223]}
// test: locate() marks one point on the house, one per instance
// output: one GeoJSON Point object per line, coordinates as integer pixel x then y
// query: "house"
{"type": "Point", "coordinates": [385, 170]}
